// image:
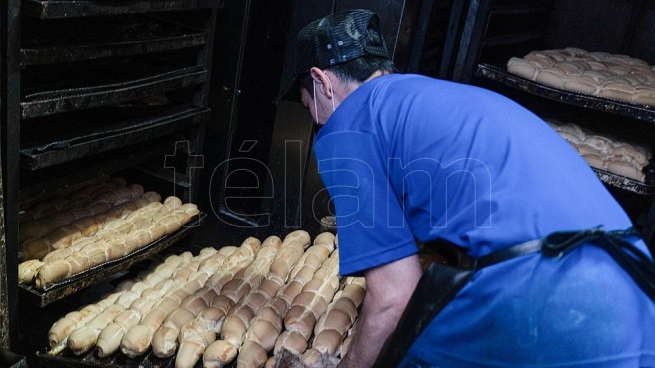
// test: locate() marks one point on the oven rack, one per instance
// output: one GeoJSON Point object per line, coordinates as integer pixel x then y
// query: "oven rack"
{"type": "Point", "coordinates": [92, 38]}
{"type": "Point", "coordinates": [57, 9]}
{"type": "Point", "coordinates": [75, 86]}
{"type": "Point", "coordinates": [100, 132]}
{"type": "Point", "coordinates": [501, 75]}
{"type": "Point", "coordinates": [103, 271]}
{"type": "Point", "coordinates": [37, 183]}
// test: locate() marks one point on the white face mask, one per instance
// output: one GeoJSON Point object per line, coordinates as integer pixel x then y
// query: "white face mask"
{"type": "Point", "coordinates": [315, 105]}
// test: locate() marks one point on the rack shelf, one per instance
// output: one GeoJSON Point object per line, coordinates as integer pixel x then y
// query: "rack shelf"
{"type": "Point", "coordinates": [100, 38]}
{"type": "Point", "coordinates": [501, 75]}
{"type": "Point", "coordinates": [57, 9]}
{"type": "Point", "coordinates": [65, 143]}
{"type": "Point", "coordinates": [72, 87]}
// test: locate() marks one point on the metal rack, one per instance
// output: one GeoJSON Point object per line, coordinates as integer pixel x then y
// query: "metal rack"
{"type": "Point", "coordinates": [95, 88]}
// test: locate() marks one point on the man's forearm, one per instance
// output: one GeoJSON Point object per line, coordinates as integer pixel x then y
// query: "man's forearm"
{"type": "Point", "coordinates": [371, 335]}
{"type": "Point", "coordinates": [388, 289]}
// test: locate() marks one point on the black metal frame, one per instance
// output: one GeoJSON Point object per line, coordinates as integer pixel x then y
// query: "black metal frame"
{"type": "Point", "coordinates": [33, 169]}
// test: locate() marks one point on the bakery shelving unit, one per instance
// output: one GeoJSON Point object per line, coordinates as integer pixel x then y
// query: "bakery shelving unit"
{"type": "Point", "coordinates": [492, 31]}
{"type": "Point", "coordinates": [97, 88]}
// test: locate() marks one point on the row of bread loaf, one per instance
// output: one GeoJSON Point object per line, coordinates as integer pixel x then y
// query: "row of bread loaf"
{"type": "Point", "coordinates": [268, 323]}
{"type": "Point", "coordinates": [122, 295]}
{"type": "Point", "coordinates": [612, 76]}
{"type": "Point", "coordinates": [73, 196]}
{"type": "Point", "coordinates": [147, 300]}
{"type": "Point", "coordinates": [119, 238]}
{"type": "Point", "coordinates": [197, 333]}
{"type": "Point", "coordinates": [137, 335]}
{"type": "Point", "coordinates": [64, 207]}
{"type": "Point", "coordinates": [60, 229]}
{"type": "Point", "coordinates": [604, 152]}
{"type": "Point", "coordinates": [257, 298]}
{"type": "Point", "coordinates": [80, 230]}
{"type": "Point", "coordinates": [260, 284]}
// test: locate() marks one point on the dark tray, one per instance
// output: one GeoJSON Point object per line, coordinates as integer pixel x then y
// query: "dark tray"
{"type": "Point", "coordinates": [9, 359]}
{"type": "Point", "coordinates": [501, 75]}
{"type": "Point", "coordinates": [54, 9]}
{"type": "Point", "coordinates": [101, 272]}
{"type": "Point", "coordinates": [67, 359]}
{"type": "Point", "coordinates": [82, 85]}
{"type": "Point", "coordinates": [35, 184]}
{"type": "Point", "coordinates": [66, 138]}
{"type": "Point", "coordinates": [92, 38]}
{"type": "Point", "coordinates": [624, 183]}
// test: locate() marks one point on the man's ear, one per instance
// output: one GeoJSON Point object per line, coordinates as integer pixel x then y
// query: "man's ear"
{"type": "Point", "coordinates": [322, 81]}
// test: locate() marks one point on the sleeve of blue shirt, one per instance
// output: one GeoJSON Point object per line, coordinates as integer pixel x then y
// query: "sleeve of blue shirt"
{"type": "Point", "coordinates": [371, 227]}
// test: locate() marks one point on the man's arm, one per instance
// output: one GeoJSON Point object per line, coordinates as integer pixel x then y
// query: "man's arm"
{"type": "Point", "coordinates": [388, 289]}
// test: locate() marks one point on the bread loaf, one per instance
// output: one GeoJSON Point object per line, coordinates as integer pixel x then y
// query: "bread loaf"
{"type": "Point", "coordinates": [60, 330]}
{"type": "Point", "coordinates": [103, 202]}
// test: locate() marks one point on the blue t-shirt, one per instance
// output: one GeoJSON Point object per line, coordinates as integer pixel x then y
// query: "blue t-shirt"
{"type": "Point", "coordinates": [407, 156]}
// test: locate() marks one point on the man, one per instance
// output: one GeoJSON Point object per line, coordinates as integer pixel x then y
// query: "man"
{"type": "Point", "coordinates": [408, 157]}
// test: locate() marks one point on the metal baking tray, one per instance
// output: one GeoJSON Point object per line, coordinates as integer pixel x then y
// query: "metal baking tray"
{"type": "Point", "coordinates": [67, 138]}
{"type": "Point", "coordinates": [625, 183]}
{"type": "Point", "coordinates": [9, 359]}
{"type": "Point", "coordinates": [92, 38]}
{"type": "Point", "coordinates": [35, 184]}
{"type": "Point", "coordinates": [101, 272]}
{"type": "Point", "coordinates": [55, 9]}
{"type": "Point", "coordinates": [75, 86]}
{"type": "Point", "coordinates": [67, 359]}
{"type": "Point", "coordinates": [501, 75]}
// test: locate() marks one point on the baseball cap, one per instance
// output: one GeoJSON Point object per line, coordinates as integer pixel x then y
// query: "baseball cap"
{"type": "Point", "coordinates": [335, 39]}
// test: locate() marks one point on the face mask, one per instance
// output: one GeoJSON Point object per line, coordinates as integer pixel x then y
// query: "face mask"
{"type": "Point", "coordinates": [316, 106]}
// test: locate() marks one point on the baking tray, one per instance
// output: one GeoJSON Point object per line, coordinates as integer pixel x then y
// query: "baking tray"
{"type": "Point", "coordinates": [67, 359]}
{"type": "Point", "coordinates": [56, 9]}
{"type": "Point", "coordinates": [71, 138]}
{"type": "Point", "coordinates": [35, 184]}
{"type": "Point", "coordinates": [101, 272]}
{"type": "Point", "coordinates": [624, 183]}
{"type": "Point", "coordinates": [9, 359]}
{"type": "Point", "coordinates": [92, 38]}
{"type": "Point", "coordinates": [58, 88]}
{"type": "Point", "coordinates": [501, 75]}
